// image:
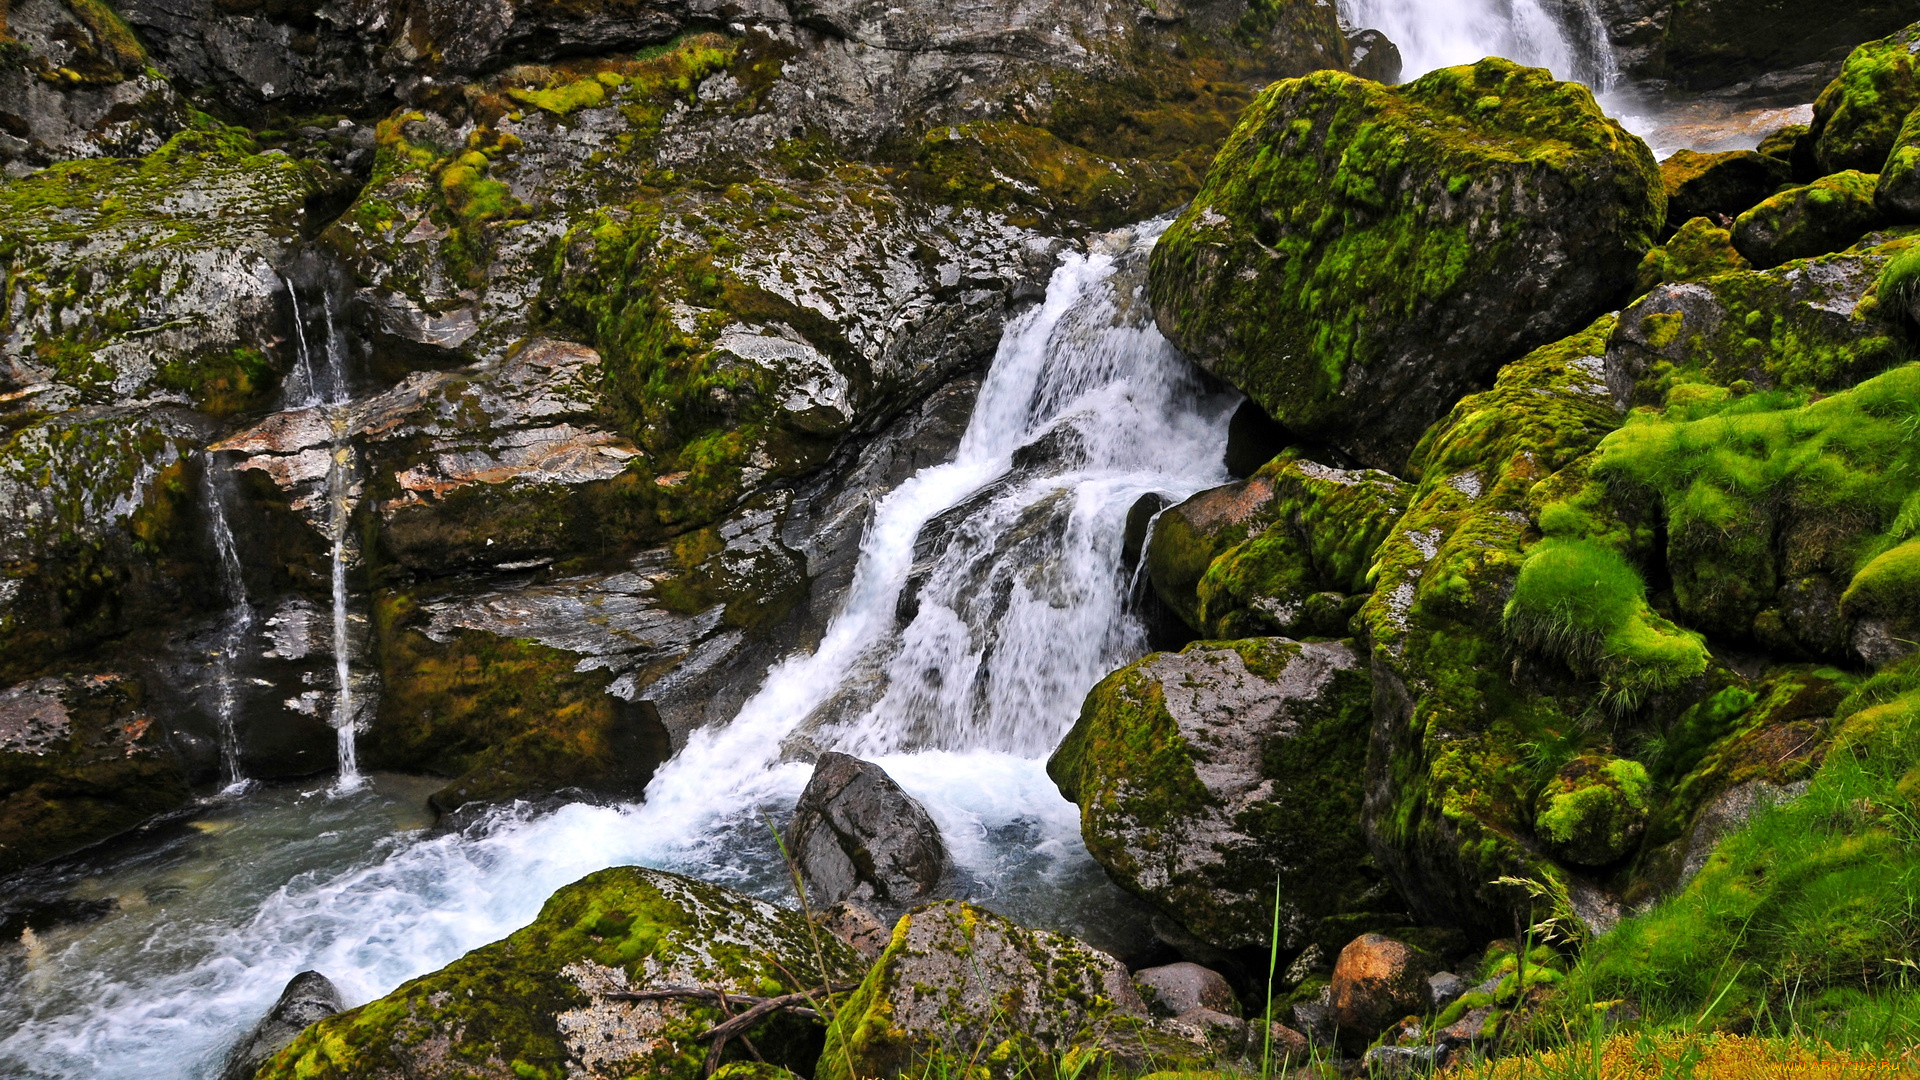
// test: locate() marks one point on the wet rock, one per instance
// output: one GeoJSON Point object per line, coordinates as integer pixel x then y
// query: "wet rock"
{"type": "Point", "coordinates": [957, 977]}
{"type": "Point", "coordinates": [549, 995]}
{"type": "Point", "coordinates": [1723, 184]}
{"type": "Point", "coordinates": [82, 759]}
{"type": "Point", "coordinates": [1825, 216]}
{"type": "Point", "coordinates": [1372, 55]}
{"type": "Point", "coordinates": [1378, 244]}
{"type": "Point", "coordinates": [1180, 988]}
{"type": "Point", "coordinates": [1253, 439]}
{"type": "Point", "coordinates": [1280, 552]}
{"type": "Point", "coordinates": [1594, 810]}
{"type": "Point", "coordinates": [856, 836]}
{"type": "Point", "coordinates": [77, 85]}
{"type": "Point", "coordinates": [1203, 776]}
{"type": "Point", "coordinates": [1376, 981]}
{"type": "Point", "coordinates": [309, 998]}
{"type": "Point", "coordinates": [1858, 117]}
{"type": "Point", "coordinates": [1819, 331]}
{"type": "Point", "coordinates": [859, 927]}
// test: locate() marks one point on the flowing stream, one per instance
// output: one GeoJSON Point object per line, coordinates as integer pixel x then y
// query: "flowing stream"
{"type": "Point", "coordinates": [1010, 556]}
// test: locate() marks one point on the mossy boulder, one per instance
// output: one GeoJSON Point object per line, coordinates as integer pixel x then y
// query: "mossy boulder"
{"type": "Point", "coordinates": [1207, 776]}
{"type": "Point", "coordinates": [1858, 117]}
{"type": "Point", "coordinates": [1594, 810]}
{"type": "Point", "coordinates": [1898, 194]}
{"type": "Point", "coordinates": [1284, 551]}
{"type": "Point", "coordinates": [545, 1000]}
{"type": "Point", "coordinates": [82, 758]}
{"type": "Point", "coordinates": [1817, 323]}
{"type": "Point", "coordinates": [1448, 789]}
{"type": "Point", "coordinates": [1825, 216]}
{"type": "Point", "coordinates": [962, 988]}
{"type": "Point", "coordinates": [1725, 183]}
{"type": "Point", "coordinates": [1359, 254]}
{"type": "Point", "coordinates": [1698, 249]}
{"type": "Point", "coordinates": [1883, 601]}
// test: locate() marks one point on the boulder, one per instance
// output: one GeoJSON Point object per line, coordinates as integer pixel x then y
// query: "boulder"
{"type": "Point", "coordinates": [964, 986]}
{"type": "Point", "coordinates": [1376, 981]}
{"type": "Point", "coordinates": [1179, 988]}
{"type": "Point", "coordinates": [1204, 776]}
{"type": "Point", "coordinates": [309, 998]}
{"type": "Point", "coordinates": [1883, 602]}
{"type": "Point", "coordinates": [1722, 184]}
{"type": "Point", "coordinates": [856, 836]}
{"type": "Point", "coordinates": [1698, 249]}
{"type": "Point", "coordinates": [1898, 193]}
{"type": "Point", "coordinates": [1804, 324]}
{"type": "Point", "coordinates": [549, 997]}
{"type": "Point", "coordinates": [1444, 988]}
{"type": "Point", "coordinates": [1340, 266]}
{"type": "Point", "coordinates": [83, 758]}
{"type": "Point", "coordinates": [1858, 117]}
{"type": "Point", "coordinates": [1594, 810]}
{"type": "Point", "coordinates": [1280, 552]}
{"type": "Point", "coordinates": [1825, 216]}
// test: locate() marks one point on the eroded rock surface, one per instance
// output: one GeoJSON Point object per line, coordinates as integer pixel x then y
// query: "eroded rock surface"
{"type": "Point", "coordinates": [856, 836]}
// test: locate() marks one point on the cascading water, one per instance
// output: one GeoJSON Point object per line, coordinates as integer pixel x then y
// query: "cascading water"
{"type": "Point", "coordinates": [234, 629]}
{"type": "Point", "coordinates": [1567, 37]}
{"type": "Point", "coordinates": [1010, 556]}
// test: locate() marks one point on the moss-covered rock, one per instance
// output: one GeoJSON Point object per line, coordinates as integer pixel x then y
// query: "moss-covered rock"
{"type": "Point", "coordinates": [1280, 552]}
{"type": "Point", "coordinates": [1883, 601]}
{"type": "Point", "coordinates": [960, 988]}
{"type": "Point", "coordinates": [1449, 789]}
{"type": "Point", "coordinates": [1858, 117]}
{"type": "Point", "coordinates": [1825, 216]}
{"type": "Point", "coordinates": [1898, 194]}
{"type": "Point", "coordinates": [1359, 254]}
{"type": "Point", "coordinates": [1726, 183]}
{"type": "Point", "coordinates": [1704, 44]}
{"type": "Point", "coordinates": [76, 82]}
{"type": "Point", "coordinates": [544, 1002]}
{"type": "Point", "coordinates": [1594, 810]}
{"type": "Point", "coordinates": [82, 758]}
{"type": "Point", "coordinates": [1698, 249]}
{"type": "Point", "coordinates": [1818, 323]}
{"type": "Point", "coordinates": [1209, 778]}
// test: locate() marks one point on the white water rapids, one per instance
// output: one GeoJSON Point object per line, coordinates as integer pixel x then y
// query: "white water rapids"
{"type": "Point", "coordinates": [1021, 607]}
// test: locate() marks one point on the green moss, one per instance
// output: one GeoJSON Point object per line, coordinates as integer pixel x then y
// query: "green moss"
{"type": "Point", "coordinates": [222, 385]}
{"type": "Point", "coordinates": [1858, 116]}
{"type": "Point", "coordinates": [1594, 811]}
{"type": "Point", "coordinates": [1030, 174]}
{"type": "Point", "coordinates": [504, 1002]}
{"type": "Point", "coordinates": [1699, 249]}
{"type": "Point", "coordinates": [1828, 215]}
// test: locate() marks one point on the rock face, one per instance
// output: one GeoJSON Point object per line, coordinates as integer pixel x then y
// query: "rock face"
{"type": "Point", "coordinates": [1705, 44]}
{"type": "Point", "coordinates": [1205, 775]}
{"type": "Point", "coordinates": [548, 996]}
{"type": "Point", "coordinates": [309, 998]}
{"type": "Point", "coordinates": [856, 836]}
{"type": "Point", "coordinates": [1825, 216]}
{"type": "Point", "coordinates": [1858, 117]}
{"type": "Point", "coordinates": [82, 758]}
{"type": "Point", "coordinates": [77, 84]}
{"type": "Point", "coordinates": [957, 978]}
{"type": "Point", "coordinates": [1376, 981]}
{"type": "Point", "coordinates": [1360, 255]}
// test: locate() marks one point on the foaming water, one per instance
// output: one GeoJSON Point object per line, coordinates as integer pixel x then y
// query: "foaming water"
{"type": "Point", "coordinates": [989, 595]}
{"type": "Point", "coordinates": [1433, 35]}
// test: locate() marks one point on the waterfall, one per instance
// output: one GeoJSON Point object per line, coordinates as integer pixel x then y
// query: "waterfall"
{"type": "Point", "coordinates": [1568, 37]}
{"type": "Point", "coordinates": [216, 486]}
{"type": "Point", "coordinates": [327, 388]}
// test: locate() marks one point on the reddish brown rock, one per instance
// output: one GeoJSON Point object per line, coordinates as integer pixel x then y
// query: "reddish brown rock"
{"type": "Point", "coordinates": [1376, 981]}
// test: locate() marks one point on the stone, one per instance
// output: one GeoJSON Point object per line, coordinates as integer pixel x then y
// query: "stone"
{"type": "Point", "coordinates": [82, 758]}
{"type": "Point", "coordinates": [1698, 250]}
{"type": "Point", "coordinates": [1405, 1061]}
{"type": "Point", "coordinates": [1898, 194]}
{"type": "Point", "coordinates": [1444, 987]}
{"type": "Point", "coordinates": [1204, 776]}
{"type": "Point", "coordinates": [1226, 1034]}
{"type": "Point", "coordinates": [1351, 289]}
{"type": "Point", "coordinates": [1594, 810]}
{"type": "Point", "coordinates": [1180, 988]}
{"type": "Point", "coordinates": [548, 995]}
{"type": "Point", "coordinates": [956, 977]}
{"type": "Point", "coordinates": [1823, 217]}
{"type": "Point", "coordinates": [309, 998]}
{"type": "Point", "coordinates": [1710, 44]}
{"type": "Point", "coordinates": [1376, 981]}
{"type": "Point", "coordinates": [1857, 119]}
{"type": "Point", "coordinates": [77, 85]}
{"type": "Point", "coordinates": [856, 836]}
{"type": "Point", "coordinates": [859, 927]}
{"type": "Point", "coordinates": [1724, 184]}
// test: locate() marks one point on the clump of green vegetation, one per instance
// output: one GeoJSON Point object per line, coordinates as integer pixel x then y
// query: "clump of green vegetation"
{"type": "Point", "coordinates": [1828, 215]}
{"type": "Point", "coordinates": [1858, 116]}
{"type": "Point", "coordinates": [1594, 811]}
{"type": "Point", "coordinates": [1700, 249]}
{"type": "Point", "coordinates": [1584, 603]}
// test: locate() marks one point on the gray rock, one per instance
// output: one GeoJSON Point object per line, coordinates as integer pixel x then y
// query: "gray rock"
{"type": "Point", "coordinates": [856, 836]}
{"type": "Point", "coordinates": [72, 90]}
{"type": "Point", "coordinates": [1181, 988]}
{"type": "Point", "coordinates": [309, 998]}
{"type": "Point", "coordinates": [1407, 1061]}
{"type": "Point", "coordinates": [1445, 988]}
{"type": "Point", "coordinates": [858, 926]}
